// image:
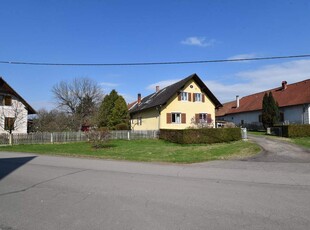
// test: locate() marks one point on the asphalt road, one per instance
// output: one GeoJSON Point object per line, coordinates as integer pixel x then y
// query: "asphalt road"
{"type": "Point", "coordinates": [277, 150]}
{"type": "Point", "coordinates": [48, 193]}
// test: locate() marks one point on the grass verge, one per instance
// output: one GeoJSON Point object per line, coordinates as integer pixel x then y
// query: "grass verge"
{"type": "Point", "coordinates": [302, 141]}
{"type": "Point", "coordinates": [145, 150]}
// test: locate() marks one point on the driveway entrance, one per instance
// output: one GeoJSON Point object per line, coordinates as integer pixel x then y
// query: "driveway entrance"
{"type": "Point", "coordinates": [274, 150]}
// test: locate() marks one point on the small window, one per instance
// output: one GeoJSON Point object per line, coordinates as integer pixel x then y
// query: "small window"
{"type": "Point", "coordinates": [203, 117]}
{"type": "Point", "coordinates": [8, 100]}
{"type": "Point", "coordinates": [260, 118]}
{"type": "Point", "coordinates": [198, 97]}
{"type": "Point", "coordinates": [184, 96]}
{"type": "Point", "coordinates": [176, 118]}
{"type": "Point", "coordinates": [9, 123]}
{"type": "Point", "coordinates": [1, 100]}
{"type": "Point", "coordinates": [139, 121]}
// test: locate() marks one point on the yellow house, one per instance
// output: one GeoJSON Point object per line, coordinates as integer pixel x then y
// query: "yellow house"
{"type": "Point", "coordinates": [187, 103]}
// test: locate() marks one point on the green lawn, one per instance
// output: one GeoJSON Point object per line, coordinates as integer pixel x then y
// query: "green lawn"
{"type": "Point", "coordinates": [302, 141]}
{"type": "Point", "coordinates": [145, 150]}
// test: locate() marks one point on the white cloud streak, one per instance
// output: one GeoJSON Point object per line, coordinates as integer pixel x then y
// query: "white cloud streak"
{"type": "Point", "coordinates": [108, 84]}
{"type": "Point", "coordinates": [198, 41]}
{"type": "Point", "coordinates": [261, 79]}
{"type": "Point", "coordinates": [162, 84]}
{"type": "Point", "coordinates": [242, 56]}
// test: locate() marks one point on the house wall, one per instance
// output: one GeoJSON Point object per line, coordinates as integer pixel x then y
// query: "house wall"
{"type": "Point", "coordinates": [297, 114]}
{"type": "Point", "coordinates": [248, 117]}
{"type": "Point", "coordinates": [307, 114]}
{"type": "Point", "coordinates": [292, 115]}
{"type": "Point", "coordinates": [150, 120]}
{"type": "Point", "coordinates": [18, 110]}
{"type": "Point", "coordinates": [190, 108]}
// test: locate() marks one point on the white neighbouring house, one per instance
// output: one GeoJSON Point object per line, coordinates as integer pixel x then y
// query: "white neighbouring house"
{"type": "Point", "coordinates": [293, 100]}
{"type": "Point", "coordinates": [14, 110]}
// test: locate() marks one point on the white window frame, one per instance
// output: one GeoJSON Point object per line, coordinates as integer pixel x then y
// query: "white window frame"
{"type": "Point", "coordinates": [203, 117]}
{"type": "Point", "coordinates": [184, 96]}
{"type": "Point", "coordinates": [198, 97]}
{"type": "Point", "coordinates": [139, 120]}
{"type": "Point", "coordinates": [176, 118]}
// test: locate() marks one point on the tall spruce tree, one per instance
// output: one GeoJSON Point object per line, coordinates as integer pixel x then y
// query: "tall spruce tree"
{"type": "Point", "coordinates": [113, 111]}
{"type": "Point", "coordinates": [270, 111]}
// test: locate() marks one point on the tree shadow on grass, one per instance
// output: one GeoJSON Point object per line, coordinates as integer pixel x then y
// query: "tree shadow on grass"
{"type": "Point", "coordinates": [9, 165]}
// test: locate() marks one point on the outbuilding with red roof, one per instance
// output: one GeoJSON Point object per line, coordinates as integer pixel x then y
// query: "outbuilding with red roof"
{"type": "Point", "coordinates": [293, 100]}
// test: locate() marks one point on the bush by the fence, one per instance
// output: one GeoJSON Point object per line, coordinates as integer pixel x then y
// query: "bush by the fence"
{"type": "Point", "coordinates": [200, 136]}
{"type": "Point", "coordinates": [296, 131]}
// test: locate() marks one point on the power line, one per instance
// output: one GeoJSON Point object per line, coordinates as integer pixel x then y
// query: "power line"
{"type": "Point", "coordinates": [156, 63]}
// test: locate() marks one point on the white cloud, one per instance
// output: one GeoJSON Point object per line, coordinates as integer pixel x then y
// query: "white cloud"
{"type": "Point", "coordinates": [261, 79]}
{"type": "Point", "coordinates": [161, 84]}
{"type": "Point", "coordinates": [242, 56]}
{"type": "Point", "coordinates": [198, 41]}
{"type": "Point", "coordinates": [108, 84]}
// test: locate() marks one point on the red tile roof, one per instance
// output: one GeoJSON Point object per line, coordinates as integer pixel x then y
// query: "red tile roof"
{"type": "Point", "coordinates": [129, 105]}
{"type": "Point", "coordinates": [294, 94]}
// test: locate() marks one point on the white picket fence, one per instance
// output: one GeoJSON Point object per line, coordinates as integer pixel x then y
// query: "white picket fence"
{"type": "Point", "coordinates": [65, 137]}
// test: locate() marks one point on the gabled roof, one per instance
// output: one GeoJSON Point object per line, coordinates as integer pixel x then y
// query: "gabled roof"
{"type": "Point", "coordinates": [294, 94]}
{"type": "Point", "coordinates": [162, 96]}
{"type": "Point", "coordinates": [6, 88]}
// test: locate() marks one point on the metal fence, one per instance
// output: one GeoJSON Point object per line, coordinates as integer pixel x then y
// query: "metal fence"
{"type": "Point", "coordinates": [65, 137]}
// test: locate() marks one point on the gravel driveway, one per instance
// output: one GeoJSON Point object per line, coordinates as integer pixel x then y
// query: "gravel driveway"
{"type": "Point", "coordinates": [274, 150]}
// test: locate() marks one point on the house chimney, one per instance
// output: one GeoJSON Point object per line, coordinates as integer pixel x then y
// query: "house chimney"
{"type": "Point", "coordinates": [139, 98]}
{"type": "Point", "coordinates": [237, 101]}
{"type": "Point", "coordinates": [157, 88]}
{"type": "Point", "coordinates": [284, 85]}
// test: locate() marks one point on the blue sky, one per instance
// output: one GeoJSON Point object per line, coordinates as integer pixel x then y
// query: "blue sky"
{"type": "Point", "coordinates": [97, 31]}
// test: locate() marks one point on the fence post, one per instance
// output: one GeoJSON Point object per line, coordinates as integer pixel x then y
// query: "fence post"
{"type": "Point", "coordinates": [52, 138]}
{"type": "Point", "coordinates": [128, 135]}
{"type": "Point", "coordinates": [11, 139]}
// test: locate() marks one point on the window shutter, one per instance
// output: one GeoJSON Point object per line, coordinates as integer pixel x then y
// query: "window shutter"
{"type": "Point", "coordinates": [9, 123]}
{"type": "Point", "coordinates": [194, 94]}
{"type": "Point", "coordinates": [203, 98]}
{"type": "Point", "coordinates": [197, 117]}
{"type": "Point", "coordinates": [209, 119]}
{"type": "Point", "coordinates": [8, 100]}
{"type": "Point", "coordinates": [179, 97]}
{"type": "Point", "coordinates": [183, 118]}
{"type": "Point", "coordinates": [169, 118]}
{"type": "Point", "coordinates": [189, 97]}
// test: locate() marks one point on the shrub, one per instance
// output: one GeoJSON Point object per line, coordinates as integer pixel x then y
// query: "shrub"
{"type": "Point", "coordinates": [296, 130]}
{"type": "Point", "coordinates": [98, 138]}
{"type": "Point", "coordinates": [122, 126]}
{"type": "Point", "coordinates": [200, 136]}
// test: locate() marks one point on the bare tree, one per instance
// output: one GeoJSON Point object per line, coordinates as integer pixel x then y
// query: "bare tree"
{"type": "Point", "coordinates": [53, 121]}
{"type": "Point", "coordinates": [79, 98]}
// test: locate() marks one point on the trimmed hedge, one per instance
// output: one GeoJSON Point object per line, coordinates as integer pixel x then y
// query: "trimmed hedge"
{"type": "Point", "coordinates": [200, 136]}
{"type": "Point", "coordinates": [296, 131]}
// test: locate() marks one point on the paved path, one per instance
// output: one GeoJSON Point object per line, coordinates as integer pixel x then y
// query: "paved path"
{"type": "Point", "coordinates": [50, 193]}
{"type": "Point", "coordinates": [274, 150]}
